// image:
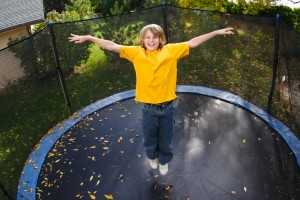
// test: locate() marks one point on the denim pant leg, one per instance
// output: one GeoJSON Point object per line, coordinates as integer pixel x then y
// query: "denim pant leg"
{"type": "Point", "coordinates": [150, 131]}
{"type": "Point", "coordinates": [166, 124]}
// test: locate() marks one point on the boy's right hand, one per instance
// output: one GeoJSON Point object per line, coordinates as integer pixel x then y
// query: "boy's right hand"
{"type": "Point", "coordinates": [78, 39]}
{"type": "Point", "coordinates": [225, 31]}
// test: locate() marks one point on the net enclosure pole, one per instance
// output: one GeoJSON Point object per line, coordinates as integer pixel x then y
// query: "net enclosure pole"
{"type": "Point", "coordinates": [165, 20]}
{"type": "Point", "coordinates": [275, 61]}
{"type": "Point", "coordinates": [58, 68]}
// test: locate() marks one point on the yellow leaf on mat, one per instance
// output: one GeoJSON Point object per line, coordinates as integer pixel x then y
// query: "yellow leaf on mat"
{"type": "Point", "coordinates": [108, 196]}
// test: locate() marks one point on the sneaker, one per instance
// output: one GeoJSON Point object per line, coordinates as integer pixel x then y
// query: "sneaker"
{"type": "Point", "coordinates": [153, 163]}
{"type": "Point", "coordinates": [163, 169]}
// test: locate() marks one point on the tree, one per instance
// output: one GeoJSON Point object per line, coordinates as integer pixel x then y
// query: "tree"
{"type": "Point", "coordinates": [112, 7]}
{"type": "Point", "coordinates": [58, 5]}
{"type": "Point", "coordinates": [76, 10]}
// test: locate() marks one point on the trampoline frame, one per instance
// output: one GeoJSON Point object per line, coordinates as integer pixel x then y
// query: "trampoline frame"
{"type": "Point", "coordinates": [30, 174]}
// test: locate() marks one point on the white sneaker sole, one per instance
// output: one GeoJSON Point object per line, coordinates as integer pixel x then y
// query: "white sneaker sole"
{"type": "Point", "coordinates": [163, 169]}
{"type": "Point", "coordinates": [153, 163]}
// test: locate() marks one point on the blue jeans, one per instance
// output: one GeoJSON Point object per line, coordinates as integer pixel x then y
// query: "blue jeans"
{"type": "Point", "coordinates": [158, 131]}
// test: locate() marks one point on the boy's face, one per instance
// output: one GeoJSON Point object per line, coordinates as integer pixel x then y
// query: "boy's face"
{"type": "Point", "coordinates": [151, 41]}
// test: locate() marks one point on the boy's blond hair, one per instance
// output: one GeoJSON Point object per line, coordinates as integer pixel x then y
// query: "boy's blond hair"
{"type": "Point", "coordinates": [156, 30]}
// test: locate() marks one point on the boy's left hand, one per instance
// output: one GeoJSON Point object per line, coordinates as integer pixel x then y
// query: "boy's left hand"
{"type": "Point", "coordinates": [225, 31]}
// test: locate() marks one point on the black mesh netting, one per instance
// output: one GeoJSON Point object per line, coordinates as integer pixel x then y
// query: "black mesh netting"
{"type": "Point", "coordinates": [31, 100]}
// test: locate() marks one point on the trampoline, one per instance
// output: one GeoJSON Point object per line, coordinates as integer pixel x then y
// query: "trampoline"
{"type": "Point", "coordinates": [224, 148]}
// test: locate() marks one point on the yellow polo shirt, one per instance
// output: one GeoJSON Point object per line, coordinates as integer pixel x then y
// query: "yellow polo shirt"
{"type": "Point", "coordinates": [156, 71]}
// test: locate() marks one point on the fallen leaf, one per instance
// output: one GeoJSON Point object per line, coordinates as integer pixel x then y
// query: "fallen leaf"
{"type": "Point", "coordinates": [108, 196]}
{"type": "Point", "coordinates": [92, 196]}
{"type": "Point", "coordinates": [168, 187]}
{"type": "Point", "coordinates": [131, 140]}
{"type": "Point", "coordinates": [98, 182]}
{"type": "Point", "coordinates": [120, 139]}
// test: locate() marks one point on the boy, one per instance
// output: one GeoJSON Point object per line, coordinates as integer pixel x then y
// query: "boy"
{"type": "Point", "coordinates": [155, 64]}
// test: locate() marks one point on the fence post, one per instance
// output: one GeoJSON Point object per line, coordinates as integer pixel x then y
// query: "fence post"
{"type": "Point", "coordinates": [164, 8]}
{"type": "Point", "coordinates": [275, 61]}
{"type": "Point", "coordinates": [58, 68]}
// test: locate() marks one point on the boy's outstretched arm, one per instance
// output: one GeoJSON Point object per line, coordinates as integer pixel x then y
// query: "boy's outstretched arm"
{"type": "Point", "coordinates": [196, 41]}
{"type": "Point", "coordinates": [105, 44]}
